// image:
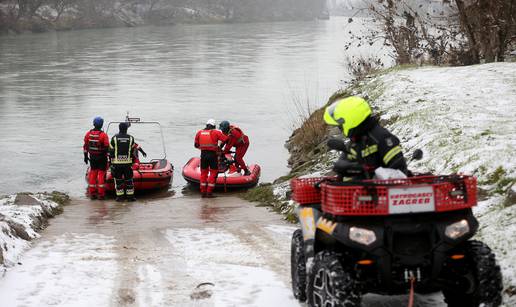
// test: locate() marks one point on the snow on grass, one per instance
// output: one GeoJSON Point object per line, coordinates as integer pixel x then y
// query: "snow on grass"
{"type": "Point", "coordinates": [463, 120]}
{"type": "Point", "coordinates": [78, 271]}
{"type": "Point", "coordinates": [497, 229]}
{"type": "Point", "coordinates": [237, 274]}
{"type": "Point", "coordinates": [461, 117]}
{"type": "Point", "coordinates": [21, 216]}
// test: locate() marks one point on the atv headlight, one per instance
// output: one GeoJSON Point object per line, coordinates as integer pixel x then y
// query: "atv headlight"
{"type": "Point", "coordinates": [457, 230]}
{"type": "Point", "coordinates": [361, 235]}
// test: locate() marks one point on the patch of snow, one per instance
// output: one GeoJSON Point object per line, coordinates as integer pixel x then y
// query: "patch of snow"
{"type": "Point", "coordinates": [78, 271]}
{"type": "Point", "coordinates": [285, 231]}
{"type": "Point", "coordinates": [497, 229]}
{"type": "Point", "coordinates": [150, 289]}
{"type": "Point", "coordinates": [20, 223]}
{"type": "Point", "coordinates": [238, 273]}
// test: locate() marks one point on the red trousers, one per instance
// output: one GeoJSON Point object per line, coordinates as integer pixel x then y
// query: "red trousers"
{"type": "Point", "coordinates": [96, 180]}
{"type": "Point", "coordinates": [240, 151]}
{"type": "Point", "coordinates": [208, 178]}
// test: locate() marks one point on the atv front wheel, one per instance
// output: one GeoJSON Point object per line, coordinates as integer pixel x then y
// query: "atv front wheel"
{"type": "Point", "coordinates": [330, 285]}
{"type": "Point", "coordinates": [298, 265]}
{"type": "Point", "coordinates": [485, 276]}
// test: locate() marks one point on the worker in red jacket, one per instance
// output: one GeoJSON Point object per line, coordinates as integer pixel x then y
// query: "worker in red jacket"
{"type": "Point", "coordinates": [207, 140]}
{"type": "Point", "coordinates": [96, 145]}
{"type": "Point", "coordinates": [239, 140]}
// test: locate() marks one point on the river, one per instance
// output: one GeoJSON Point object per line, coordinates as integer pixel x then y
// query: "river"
{"type": "Point", "coordinates": [53, 84]}
{"type": "Point", "coordinates": [161, 251]}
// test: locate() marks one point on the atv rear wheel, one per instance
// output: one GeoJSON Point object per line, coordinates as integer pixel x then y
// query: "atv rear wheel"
{"type": "Point", "coordinates": [298, 265]}
{"type": "Point", "coordinates": [330, 285]}
{"type": "Point", "coordinates": [485, 276]}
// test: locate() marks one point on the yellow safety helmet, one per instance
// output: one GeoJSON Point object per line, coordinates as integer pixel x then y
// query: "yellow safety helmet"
{"type": "Point", "coordinates": [347, 113]}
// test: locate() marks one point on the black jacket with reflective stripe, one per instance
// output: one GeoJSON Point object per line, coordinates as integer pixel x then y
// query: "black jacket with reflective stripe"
{"type": "Point", "coordinates": [376, 147]}
{"type": "Point", "coordinates": [121, 149]}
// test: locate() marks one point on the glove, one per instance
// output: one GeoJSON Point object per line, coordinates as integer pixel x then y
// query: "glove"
{"type": "Point", "coordinates": [86, 158]}
{"type": "Point", "coordinates": [144, 154]}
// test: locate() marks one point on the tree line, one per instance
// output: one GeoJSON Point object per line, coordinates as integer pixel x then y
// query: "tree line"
{"type": "Point", "coordinates": [42, 15]}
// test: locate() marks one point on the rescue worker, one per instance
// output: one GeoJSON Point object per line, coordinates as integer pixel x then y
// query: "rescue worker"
{"type": "Point", "coordinates": [96, 144]}
{"type": "Point", "coordinates": [371, 145]}
{"type": "Point", "coordinates": [136, 158]}
{"type": "Point", "coordinates": [121, 150]}
{"type": "Point", "coordinates": [207, 140]}
{"type": "Point", "coordinates": [237, 139]}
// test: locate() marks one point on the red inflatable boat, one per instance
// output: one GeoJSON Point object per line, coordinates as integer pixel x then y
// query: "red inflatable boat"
{"type": "Point", "coordinates": [152, 175]}
{"type": "Point", "coordinates": [228, 177]}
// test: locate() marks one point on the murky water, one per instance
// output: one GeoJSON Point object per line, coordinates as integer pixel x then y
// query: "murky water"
{"type": "Point", "coordinates": [52, 85]}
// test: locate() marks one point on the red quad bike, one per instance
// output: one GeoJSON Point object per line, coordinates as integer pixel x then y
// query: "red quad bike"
{"type": "Point", "coordinates": [390, 237]}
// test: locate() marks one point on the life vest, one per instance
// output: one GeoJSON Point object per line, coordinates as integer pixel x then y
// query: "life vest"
{"type": "Point", "coordinates": [123, 149]}
{"type": "Point", "coordinates": [206, 141]}
{"type": "Point", "coordinates": [240, 140]}
{"type": "Point", "coordinates": [95, 146]}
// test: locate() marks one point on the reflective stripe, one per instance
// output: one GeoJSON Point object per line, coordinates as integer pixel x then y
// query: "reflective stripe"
{"type": "Point", "coordinates": [352, 154]}
{"type": "Point", "coordinates": [101, 186]}
{"type": "Point", "coordinates": [119, 192]}
{"type": "Point", "coordinates": [92, 185]}
{"type": "Point", "coordinates": [391, 154]}
{"type": "Point", "coordinates": [211, 184]}
{"type": "Point", "coordinates": [369, 150]}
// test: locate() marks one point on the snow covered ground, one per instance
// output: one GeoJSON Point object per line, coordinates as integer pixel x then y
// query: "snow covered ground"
{"type": "Point", "coordinates": [463, 118]}
{"type": "Point", "coordinates": [21, 216]}
{"type": "Point", "coordinates": [165, 252]}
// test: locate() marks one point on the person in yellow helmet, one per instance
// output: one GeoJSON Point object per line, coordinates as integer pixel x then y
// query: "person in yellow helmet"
{"type": "Point", "coordinates": [371, 145]}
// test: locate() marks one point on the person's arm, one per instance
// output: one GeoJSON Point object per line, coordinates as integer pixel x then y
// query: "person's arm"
{"type": "Point", "coordinates": [105, 142]}
{"type": "Point", "coordinates": [112, 148]}
{"type": "Point", "coordinates": [196, 140]}
{"type": "Point", "coordinates": [230, 141]}
{"type": "Point", "coordinates": [142, 151]}
{"type": "Point", "coordinates": [391, 154]}
{"type": "Point", "coordinates": [85, 147]}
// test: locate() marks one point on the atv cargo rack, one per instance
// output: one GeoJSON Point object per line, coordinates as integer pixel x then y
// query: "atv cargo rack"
{"type": "Point", "coordinates": [385, 197]}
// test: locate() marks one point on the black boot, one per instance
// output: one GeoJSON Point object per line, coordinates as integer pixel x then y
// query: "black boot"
{"type": "Point", "coordinates": [247, 172]}
{"type": "Point", "coordinates": [131, 198]}
{"type": "Point", "coordinates": [119, 198]}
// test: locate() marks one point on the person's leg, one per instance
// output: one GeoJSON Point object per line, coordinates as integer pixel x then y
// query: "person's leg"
{"type": "Point", "coordinates": [117, 173]}
{"type": "Point", "coordinates": [214, 170]}
{"type": "Point", "coordinates": [92, 183]}
{"type": "Point", "coordinates": [129, 184]}
{"type": "Point", "coordinates": [100, 164]}
{"type": "Point", "coordinates": [205, 165]}
{"type": "Point", "coordinates": [239, 157]}
{"type": "Point", "coordinates": [101, 183]}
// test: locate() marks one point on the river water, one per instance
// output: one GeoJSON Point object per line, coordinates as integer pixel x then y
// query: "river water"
{"type": "Point", "coordinates": [53, 84]}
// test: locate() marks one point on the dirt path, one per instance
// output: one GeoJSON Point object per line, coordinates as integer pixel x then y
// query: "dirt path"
{"type": "Point", "coordinates": [161, 252]}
